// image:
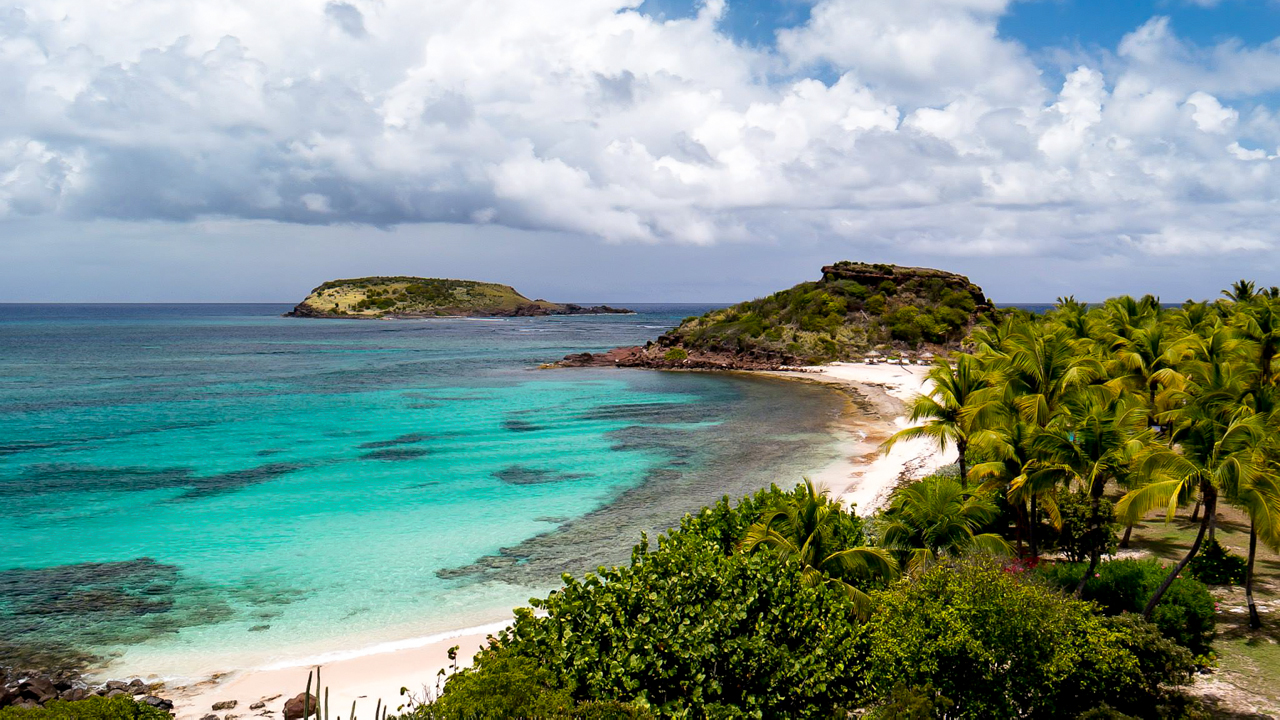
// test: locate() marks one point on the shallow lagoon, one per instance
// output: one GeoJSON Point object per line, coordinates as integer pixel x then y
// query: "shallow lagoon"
{"type": "Point", "coordinates": [195, 488]}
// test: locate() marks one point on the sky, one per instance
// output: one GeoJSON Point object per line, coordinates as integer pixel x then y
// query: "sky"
{"type": "Point", "coordinates": [635, 150]}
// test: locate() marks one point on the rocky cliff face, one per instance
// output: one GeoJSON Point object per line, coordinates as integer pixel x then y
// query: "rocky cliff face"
{"type": "Point", "coordinates": [415, 297]}
{"type": "Point", "coordinates": [854, 309]}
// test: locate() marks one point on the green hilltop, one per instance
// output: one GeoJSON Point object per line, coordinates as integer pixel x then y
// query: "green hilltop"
{"type": "Point", "coordinates": [854, 308]}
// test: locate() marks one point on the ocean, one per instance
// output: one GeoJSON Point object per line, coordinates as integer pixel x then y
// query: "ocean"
{"type": "Point", "coordinates": [190, 489]}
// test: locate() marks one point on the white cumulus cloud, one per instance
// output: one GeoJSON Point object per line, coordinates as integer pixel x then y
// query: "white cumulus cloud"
{"type": "Point", "coordinates": [905, 122]}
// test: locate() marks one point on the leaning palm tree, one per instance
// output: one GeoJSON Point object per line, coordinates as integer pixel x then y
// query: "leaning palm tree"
{"type": "Point", "coordinates": [935, 518]}
{"type": "Point", "coordinates": [807, 529]}
{"type": "Point", "coordinates": [1219, 447]}
{"type": "Point", "coordinates": [945, 410]}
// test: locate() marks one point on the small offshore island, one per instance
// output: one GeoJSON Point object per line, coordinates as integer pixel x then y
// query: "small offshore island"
{"type": "Point", "coordinates": [405, 296]}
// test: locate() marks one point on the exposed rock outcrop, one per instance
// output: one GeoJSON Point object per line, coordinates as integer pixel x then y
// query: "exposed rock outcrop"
{"type": "Point", "coordinates": [25, 688]}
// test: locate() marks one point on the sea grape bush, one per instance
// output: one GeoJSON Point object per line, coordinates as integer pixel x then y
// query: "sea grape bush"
{"type": "Point", "coordinates": [1215, 565]}
{"type": "Point", "coordinates": [1185, 614]}
{"type": "Point", "coordinates": [998, 645]}
{"type": "Point", "coordinates": [1078, 537]}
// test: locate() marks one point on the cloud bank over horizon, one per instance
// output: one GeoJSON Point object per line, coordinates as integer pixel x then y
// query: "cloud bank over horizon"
{"type": "Point", "coordinates": [906, 124]}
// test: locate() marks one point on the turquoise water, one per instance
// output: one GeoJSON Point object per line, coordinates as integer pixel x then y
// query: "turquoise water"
{"type": "Point", "coordinates": [191, 489]}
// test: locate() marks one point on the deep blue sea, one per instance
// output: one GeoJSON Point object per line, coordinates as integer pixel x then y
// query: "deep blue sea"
{"type": "Point", "coordinates": [195, 488]}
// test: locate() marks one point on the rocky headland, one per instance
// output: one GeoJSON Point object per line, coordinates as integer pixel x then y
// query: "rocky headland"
{"type": "Point", "coordinates": [416, 297]}
{"type": "Point", "coordinates": [29, 689]}
{"type": "Point", "coordinates": [855, 311]}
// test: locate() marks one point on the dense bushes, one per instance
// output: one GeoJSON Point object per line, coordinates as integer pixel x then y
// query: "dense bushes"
{"type": "Point", "coordinates": [692, 626]}
{"type": "Point", "coordinates": [516, 687]}
{"type": "Point", "coordinates": [1078, 537]}
{"type": "Point", "coordinates": [1213, 565]}
{"type": "Point", "coordinates": [997, 645]}
{"type": "Point", "coordinates": [1185, 614]}
{"type": "Point", "coordinates": [93, 708]}
{"type": "Point", "coordinates": [697, 628]}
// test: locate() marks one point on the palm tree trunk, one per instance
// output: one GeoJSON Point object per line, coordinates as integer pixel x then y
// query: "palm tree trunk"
{"type": "Point", "coordinates": [1031, 530]}
{"type": "Point", "coordinates": [962, 447]}
{"type": "Point", "coordinates": [1213, 521]}
{"type": "Point", "coordinates": [1255, 621]}
{"type": "Point", "coordinates": [1210, 495]}
{"type": "Point", "coordinates": [1195, 513]}
{"type": "Point", "coordinates": [1095, 553]}
{"type": "Point", "coordinates": [1019, 525]}
{"type": "Point", "coordinates": [1128, 530]}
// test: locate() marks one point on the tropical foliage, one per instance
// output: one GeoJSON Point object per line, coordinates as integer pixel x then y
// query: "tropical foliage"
{"type": "Point", "coordinates": [854, 307]}
{"type": "Point", "coordinates": [1068, 426]}
{"type": "Point", "coordinates": [723, 619]}
{"type": "Point", "coordinates": [93, 708]}
{"type": "Point", "coordinates": [935, 519]}
{"type": "Point", "coordinates": [998, 646]}
{"type": "Point", "coordinates": [1167, 407]}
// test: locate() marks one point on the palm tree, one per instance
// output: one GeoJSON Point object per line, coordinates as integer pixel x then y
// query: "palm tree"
{"type": "Point", "coordinates": [937, 517]}
{"type": "Point", "coordinates": [1258, 323]}
{"type": "Point", "coordinates": [1260, 498]}
{"type": "Point", "coordinates": [1218, 448]}
{"type": "Point", "coordinates": [1093, 443]}
{"type": "Point", "coordinates": [1074, 316]}
{"type": "Point", "coordinates": [807, 529]}
{"type": "Point", "coordinates": [1009, 467]}
{"type": "Point", "coordinates": [1241, 291]}
{"type": "Point", "coordinates": [1146, 363]}
{"type": "Point", "coordinates": [945, 409]}
{"type": "Point", "coordinates": [1041, 367]}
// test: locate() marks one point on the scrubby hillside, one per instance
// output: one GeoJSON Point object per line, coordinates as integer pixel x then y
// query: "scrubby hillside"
{"type": "Point", "coordinates": [402, 296]}
{"type": "Point", "coordinates": [855, 308]}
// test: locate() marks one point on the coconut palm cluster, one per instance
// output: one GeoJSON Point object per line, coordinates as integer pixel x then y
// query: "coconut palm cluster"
{"type": "Point", "coordinates": [1165, 407]}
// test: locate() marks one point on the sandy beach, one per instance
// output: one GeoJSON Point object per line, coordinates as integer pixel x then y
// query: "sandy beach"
{"type": "Point", "coordinates": [861, 478]}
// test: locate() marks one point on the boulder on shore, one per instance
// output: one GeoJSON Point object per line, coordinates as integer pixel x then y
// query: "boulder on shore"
{"type": "Point", "coordinates": [293, 708]}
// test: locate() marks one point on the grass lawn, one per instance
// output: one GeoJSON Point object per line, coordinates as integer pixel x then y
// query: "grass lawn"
{"type": "Point", "coordinates": [1246, 682]}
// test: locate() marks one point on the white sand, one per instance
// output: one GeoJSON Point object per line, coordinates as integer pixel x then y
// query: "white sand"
{"type": "Point", "coordinates": [861, 477]}
{"type": "Point", "coordinates": [864, 478]}
{"type": "Point", "coordinates": [364, 679]}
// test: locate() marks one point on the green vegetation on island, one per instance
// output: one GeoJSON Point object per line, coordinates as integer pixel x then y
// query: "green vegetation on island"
{"type": "Point", "coordinates": [403, 296]}
{"type": "Point", "coordinates": [853, 309]}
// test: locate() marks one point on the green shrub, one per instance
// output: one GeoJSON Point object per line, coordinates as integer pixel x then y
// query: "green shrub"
{"type": "Point", "coordinates": [690, 628]}
{"type": "Point", "coordinates": [509, 687]}
{"type": "Point", "coordinates": [998, 645]}
{"type": "Point", "coordinates": [94, 708]}
{"type": "Point", "coordinates": [1078, 538]}
{"type": "Point", "coordinates": [1215, 565]}
{"type": "Point", "coordinates": [1185, 614]}
{"type": "Point", "coordinates": [676, 355]}
{"type": "Point", "coordinates": [911, 703]}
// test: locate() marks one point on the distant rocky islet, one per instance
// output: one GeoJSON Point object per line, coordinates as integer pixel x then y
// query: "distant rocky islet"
{"type": "Point", "coordinates": [410, 297]}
